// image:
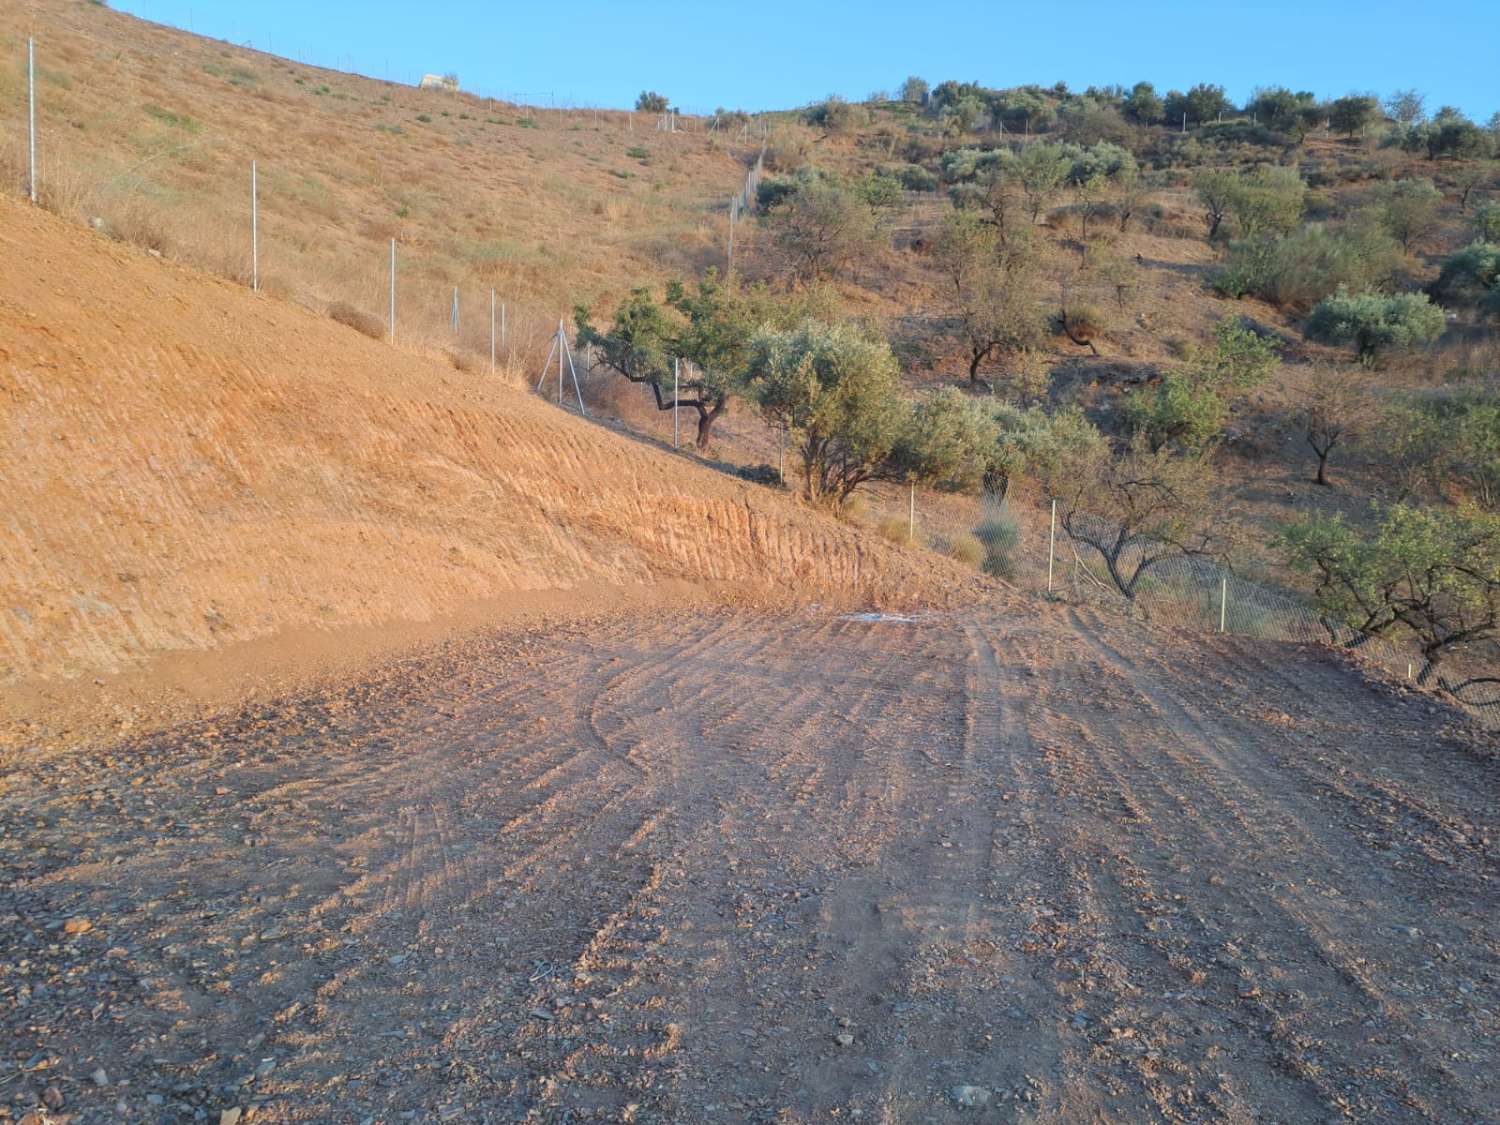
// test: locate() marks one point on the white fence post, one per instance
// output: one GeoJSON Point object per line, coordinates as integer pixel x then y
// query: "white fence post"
{"type": "Point", "coordinates": [911, 513]}
{"type": "Point", "coordinates": [31, 111]}
{"type": "Point", "coordinates": [1223, 602]}
{"type": "Point", "coordinates": [454, 316]}
{"type": "Point", "coordinates": [1051, 546]}
{"type": "Point", "coordinates": [393, 291]}
{"type": "Point", "coordinates": [254, 230]}
{"type": "Point", "coordinates": [676, 426]}
{"type": "Point", "coordinates": [492, 331]}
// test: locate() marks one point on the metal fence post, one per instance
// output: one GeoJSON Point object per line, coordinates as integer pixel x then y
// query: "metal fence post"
{"type": "Point", "coordinates": [454, 317]}
{"type": "Point", "coordinates": [911, 513]}
{"type": "Point", "coordinates": [1051, 546]}
{"type": "Point", "coordinates": [393, 291]}
{"type": "Point", "coordinates": [492, 331]}
{"type": "Point", "coordinates": [31, 111]}
{"type": "Point", "coordinates": [676, 426]}
{"type": "Point", "coordinates": [254, 230]}
{"type": "Point", "coordinates": [1223, 601]}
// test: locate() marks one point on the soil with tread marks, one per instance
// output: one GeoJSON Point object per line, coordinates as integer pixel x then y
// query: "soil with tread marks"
{"type": "Point", "coordinates": [770, 867]}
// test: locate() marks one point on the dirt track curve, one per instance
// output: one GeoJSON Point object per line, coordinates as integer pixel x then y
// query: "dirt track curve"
{"type": "Point", "coordinates": [770, 868]}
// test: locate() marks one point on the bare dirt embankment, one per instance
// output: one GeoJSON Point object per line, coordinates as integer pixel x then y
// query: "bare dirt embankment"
{"type": "Point", "coordinates": [186, 468]}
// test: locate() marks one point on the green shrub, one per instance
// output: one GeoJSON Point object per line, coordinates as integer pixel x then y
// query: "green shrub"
{"type": "Point", "coordinates": [637, 152]}
{"type": "Point", "coordinates": [527, 123]}
{"type": "Point", "coordinates": [1000, 537]}
{"type": "Point", "coordinates": [1471, 275]}
{"type": "Point", "coordinates": [1374, 322]}
{"type": "Point", "coordinates": [175, 120]}
{"type": "Point", "coordinates": [967, 549]}
{"type": "Point", "coordinates": [1298, 271]}
{"type": "Point", "coordinates": [1487, 221]}
{"type": "Point", "coordinates": [424, 118]}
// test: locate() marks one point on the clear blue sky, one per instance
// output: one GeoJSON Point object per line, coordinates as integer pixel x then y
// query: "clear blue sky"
{"type": "Point", "coordinates": [771, 54]}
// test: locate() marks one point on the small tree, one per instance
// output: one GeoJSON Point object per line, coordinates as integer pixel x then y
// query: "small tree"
{"type": "Point", "coordinates": [1142, 105]}
{"type": "Point", "coordinates": [1352, 113]}
{"type": "Point", "coordinates": [838, 394]}
{"type": "Point", "coordinates": [1332, 408]}
{"type": "Point", "coordinates": [1471, 275]}
{"type": "Point", "coordinates": [914, 90]}
{"type": "Point", "coordinates": [1138, 510]}
{"type": "Point", "coordinates": [1374, 322]}
{"type": "Point", "coordinates": [1406, 107]}
{"type": "Point", "coordinates": [1042, 169]}
{"type": "Point", "coordinates": [711, 331]}
{"type": "Point", "coordinates": [1431, 573]}
{"type": "Point", "coordinates": [1487, 221]}
{"type": "Point", "coordinates": [1216, 190]}
{"type": "Point", "coordinates": [1408, 209]}
{"type": "Point", "coordinates": [652, 102]}
{"type": "Point", "coordinates": [1034, 442]}
{"type": "Point", "coordinates": [1267, 202]}
{"type": "Point", "coordinates": [989, 286]}
{"type": "Point", "coordinates": [823, 226]}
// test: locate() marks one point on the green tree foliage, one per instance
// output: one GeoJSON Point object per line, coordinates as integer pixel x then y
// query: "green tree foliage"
{"type": "Point", "coordinates": [1408, 209]}
{"type": "Point", "coordinates": [1267, 201]}
{"type": "Point", "coordinates": [1203, 103]}
{"type": "Point", "coordinates": [1278, 108]}
{"type": "Point", "coordinates": [914, 90]}
{"type": "Point", "coordinates": [709, 327]}
{"type": "Point", "coordinates": [949, 442]}
{"type": "Point", "coordinates": [839, 395]}
{"type": "Point", "coordinates": [1300, 270]}
{"type": "Point", "coordinates": [833, 113]}
{"type": "Point", "coordinates": [1035, 442]}
{"type": "Point", "coordinates": [1041, 170]}
{"type": "Point", "coordinates": [1187, 408]}
{"type": "Point", "coordinates": [1216, 190]}
{"type": "Point", "coordinates": [1143, 105]}
{"type": "Point", "coordinates": [1472, 276]}
{"type": "Point", "coordinates": [989, 288]}
{"type": "Point", "coordinates": [825, 223]}
{"type": "Point", "coordinates": [1449, 134]}
{"type": "Point", "coordinates": [1449, 442]}
{"type": "Point", "coordinates": [651, 102]}
{"type": "Point", "coordinates": [1352, 113]}
{"type": "Point", "coordinates": [1430, 573]}
{"type": "Point", "coordinates": [1375, 322]}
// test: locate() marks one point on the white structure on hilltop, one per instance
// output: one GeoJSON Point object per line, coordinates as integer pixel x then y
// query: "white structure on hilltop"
{"type": "Point", "coordinates": [447, 82]}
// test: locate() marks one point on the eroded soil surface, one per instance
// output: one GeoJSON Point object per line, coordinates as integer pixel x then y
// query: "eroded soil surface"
{"type": "Point", "coordinates": [769, 868]}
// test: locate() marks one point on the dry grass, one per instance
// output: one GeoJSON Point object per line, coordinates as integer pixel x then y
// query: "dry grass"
{"type": "Point", "coordinates": [152, 130]}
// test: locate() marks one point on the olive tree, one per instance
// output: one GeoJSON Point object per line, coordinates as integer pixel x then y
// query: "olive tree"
{"type": "Point", "coordinates": [1187, 408]}
{"type": "Point", "coordinates": [988, 289]}
{"type": "Point", "coordinates": [1138, 509]}
{"type": "Point", "coordinates": [1432, 574]}
{"type": "Point", "coordinates": [1408, 209]}
{"type": "Point", "coordinates": [651, 102]}
{"type": "Point", "coordinates": [1332, 408]}
{"type": "Point", "coordinates": [823, 224]}
{"type": "Point", "coordinates": [1374, 322]}
{"type": "Point", "coordinates": [709, 327]}
{"type": "Point", "coordinates": [837, 393]}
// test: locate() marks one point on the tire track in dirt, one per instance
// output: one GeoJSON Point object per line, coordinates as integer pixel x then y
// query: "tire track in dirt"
{"type": "Point", "coordinates": [1328, 907]}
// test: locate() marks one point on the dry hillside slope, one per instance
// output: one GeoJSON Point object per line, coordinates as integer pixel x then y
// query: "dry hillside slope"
{"type": "Point", "coordinates": [185, 464]}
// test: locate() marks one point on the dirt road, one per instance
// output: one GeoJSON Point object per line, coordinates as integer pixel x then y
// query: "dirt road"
{"type": "Point", "coordinates": [787, 868]}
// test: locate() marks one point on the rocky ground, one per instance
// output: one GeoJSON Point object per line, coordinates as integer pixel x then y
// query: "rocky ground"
{"type": "Point", "coordinates": [796, 867]}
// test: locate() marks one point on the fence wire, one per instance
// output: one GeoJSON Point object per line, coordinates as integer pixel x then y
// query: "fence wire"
{"type": "Point", "coordinates": [1194, 592]}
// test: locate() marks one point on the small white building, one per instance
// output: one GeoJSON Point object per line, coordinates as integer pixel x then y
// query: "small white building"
{"type": "Point", "coordinates": [447, 82]}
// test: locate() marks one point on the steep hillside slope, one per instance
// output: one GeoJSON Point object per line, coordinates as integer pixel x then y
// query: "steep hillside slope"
{"type": "Point", "coordinates": [151, 130]}
{"type": "Point", "coordinates": [184, 464]}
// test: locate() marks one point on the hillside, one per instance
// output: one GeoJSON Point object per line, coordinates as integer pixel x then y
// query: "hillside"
{"type": "Point", "coordinates": [150, 131]}
{"type": "Point", "coordinates": [188, 466]}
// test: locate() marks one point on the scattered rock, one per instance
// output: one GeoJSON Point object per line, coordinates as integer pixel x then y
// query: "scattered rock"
{"type": "Point", "coordinates": [844, 1039]}
{"type": "Point", "coordinates": [77, 926]}
{"type": "Point", "coordinates": [52, 1098]}
{"type": "Point", "coordinates": [230, 1116]}
{"type": "Point", "coordinates": [972, 1097]}
{"type": "Point", "coordinates": [100, 1077]}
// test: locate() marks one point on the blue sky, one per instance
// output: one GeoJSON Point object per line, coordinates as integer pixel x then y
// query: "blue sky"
{"type": "Point", "coordinates": [773, 54]}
